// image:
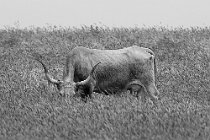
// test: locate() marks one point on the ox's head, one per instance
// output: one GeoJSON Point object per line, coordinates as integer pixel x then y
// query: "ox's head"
{"type": "Point", "coordinates": [65, 88]}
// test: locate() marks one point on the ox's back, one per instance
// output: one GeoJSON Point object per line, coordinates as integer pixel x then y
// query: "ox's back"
{"type": "Point", "coordinates": [109, 56]}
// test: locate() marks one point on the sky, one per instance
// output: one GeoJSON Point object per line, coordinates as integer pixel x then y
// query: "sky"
{"type": "Point", "coordinates": [109, 13]}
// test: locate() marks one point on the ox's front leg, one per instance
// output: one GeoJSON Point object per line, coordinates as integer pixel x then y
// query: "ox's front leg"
{"type": "Point", "coordinates": [84, 91]}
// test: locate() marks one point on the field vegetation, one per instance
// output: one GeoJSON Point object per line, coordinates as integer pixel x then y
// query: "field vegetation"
{"type": "Point", "coordinates": [30, 109]}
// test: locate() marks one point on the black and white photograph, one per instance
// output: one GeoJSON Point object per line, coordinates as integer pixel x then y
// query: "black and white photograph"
{"type": "Point", "coordinates": [104, 70]}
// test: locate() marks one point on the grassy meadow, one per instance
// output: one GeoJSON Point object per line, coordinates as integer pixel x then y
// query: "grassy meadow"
{"type": "Point", "coordinates": [30, 109]}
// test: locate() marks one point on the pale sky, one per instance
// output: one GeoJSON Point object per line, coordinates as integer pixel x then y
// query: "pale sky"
{"type": "Point", "coordinates": [111, 13]}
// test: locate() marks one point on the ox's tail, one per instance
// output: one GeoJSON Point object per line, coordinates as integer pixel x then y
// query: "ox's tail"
{"type": "Point", "coordinates": [155, 69]}
{"type": "Point", "coordinates": [155, 66]}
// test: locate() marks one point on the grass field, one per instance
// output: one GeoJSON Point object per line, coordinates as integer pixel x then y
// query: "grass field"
{"type": "Point", "coordinates": [30, 109]}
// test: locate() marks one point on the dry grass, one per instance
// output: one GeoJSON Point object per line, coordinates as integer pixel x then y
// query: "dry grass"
{"type": "Point", "coordinates": [29, 109]}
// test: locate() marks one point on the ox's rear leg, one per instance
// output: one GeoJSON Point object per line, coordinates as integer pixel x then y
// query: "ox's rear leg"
{"type": "Point", "coordinates": [141, 92]}
{"type": "Point", "coordinates": [152, 93]}
{"type": "Point", "coordinates": [134, 90]}
{"type": "Point", "coordinates": [143, 96]}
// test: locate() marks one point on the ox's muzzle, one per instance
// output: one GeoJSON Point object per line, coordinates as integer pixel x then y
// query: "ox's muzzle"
{"type": "Point", "coordinates": [66, 88]}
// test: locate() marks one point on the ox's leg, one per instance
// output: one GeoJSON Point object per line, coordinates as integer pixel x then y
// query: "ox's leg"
{"type": "Point", "coordinates": [87, 92]}
{"type": "Point", "coordinates": [91, 90]}
{"type": "Point", "coordinates": [140, 92]}
{"type": "Point", "coordinates": [143, 97]}
{"type": "Point", "coordinates": [137, 91]}
{"type": "Point", "coordinates": [152, 92]}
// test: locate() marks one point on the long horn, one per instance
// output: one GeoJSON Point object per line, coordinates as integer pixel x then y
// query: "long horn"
{"type": "Point", "coordinates": [89, 77]}
{"type": "Point", "coordinates": [93, 69]}
{"type": "Point", "coordinates": [49, 78]}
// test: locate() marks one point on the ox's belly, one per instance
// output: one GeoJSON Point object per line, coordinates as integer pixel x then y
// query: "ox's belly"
{"type": "Point", "coordinates": [111, 87]}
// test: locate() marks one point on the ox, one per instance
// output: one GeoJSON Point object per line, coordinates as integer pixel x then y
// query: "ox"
{"type": "Point", "coordinates": [116, 71]}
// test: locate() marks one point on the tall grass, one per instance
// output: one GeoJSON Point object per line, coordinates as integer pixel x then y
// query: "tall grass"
{"type": "Point", "coordinates": [30, 109]}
